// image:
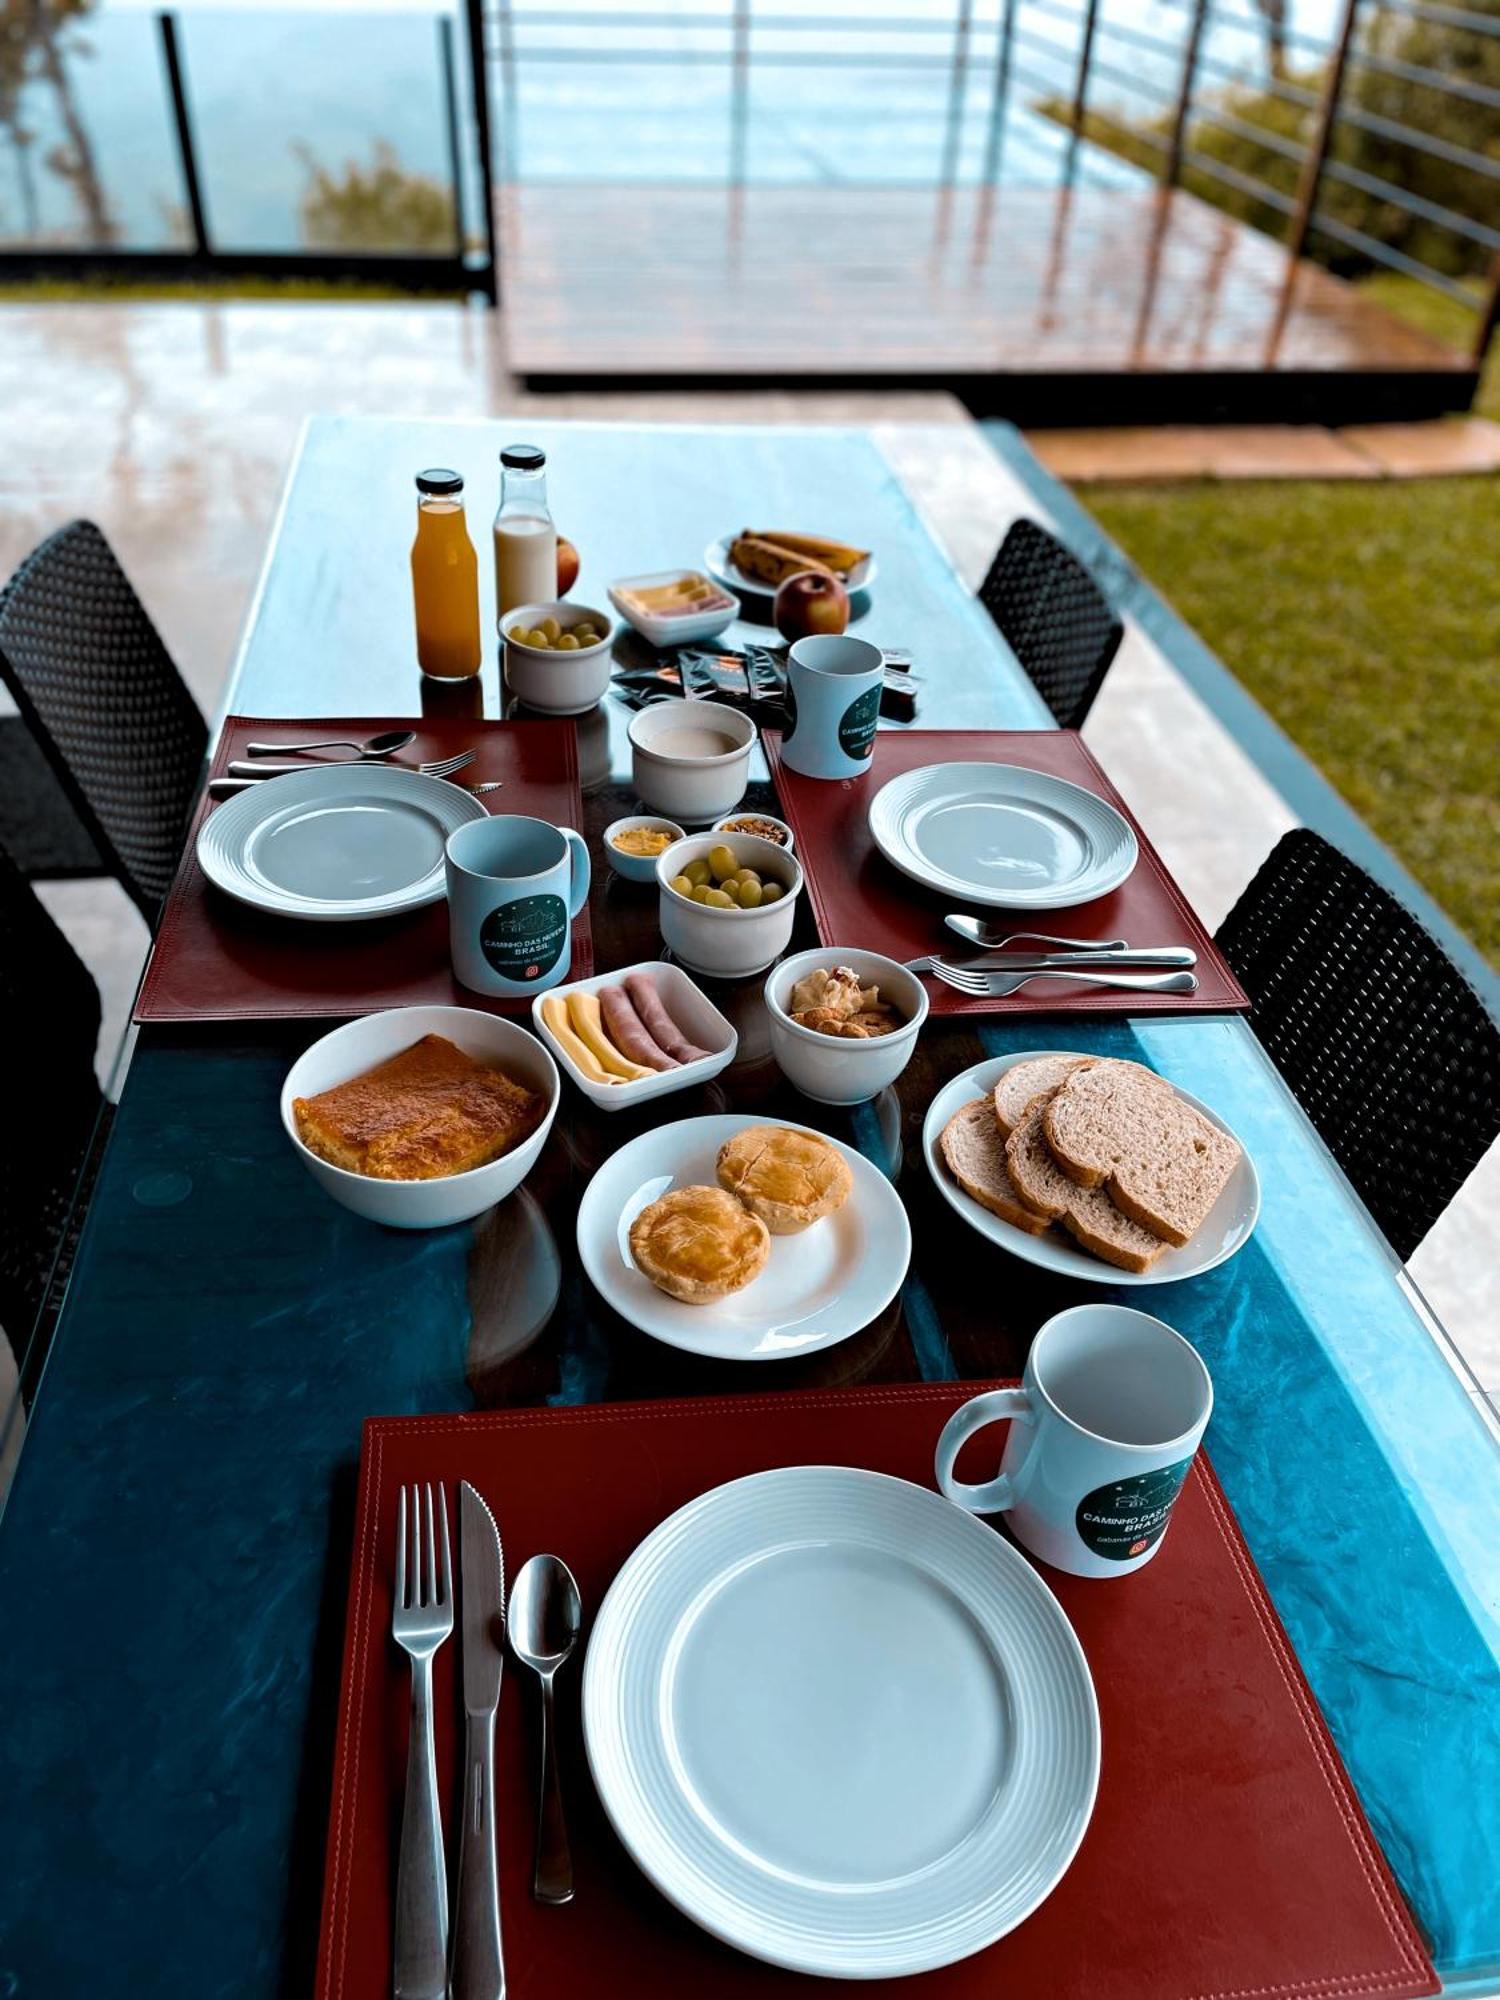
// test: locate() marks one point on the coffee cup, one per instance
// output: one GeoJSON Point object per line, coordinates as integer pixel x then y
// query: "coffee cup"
{"type": "Point", "coordinates": [514, 888]}
{"type": "Point", "coordinates": [833, 687]}
{"type": "Point", "coordinates": [1103, 1428]}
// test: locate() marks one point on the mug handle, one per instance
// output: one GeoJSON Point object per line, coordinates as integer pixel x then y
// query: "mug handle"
{"type": "Point", "coordinates": [976, 1415]}
{"type": "Point", "coordinates": [582, 870]}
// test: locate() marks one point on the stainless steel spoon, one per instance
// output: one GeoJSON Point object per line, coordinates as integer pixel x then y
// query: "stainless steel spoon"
{"type": "Point", "coordinates": [386, 744]}
{"type": "Point", "coordinates": [542, 1624]}
{"type": "Point", "coordinates": [989, 939]}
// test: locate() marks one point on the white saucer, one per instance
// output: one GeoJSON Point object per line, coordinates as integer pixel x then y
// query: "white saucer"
{"type": "Point", "coordinates": [817, 1288]}
{"type": "Point", "coordinates": [1002, 836]}
{"type": "Point", "coordinates": [840, 1723]}
{"type": "Point", "coordinates": [1226, 1228]}
{"type": "Point", "coordinates": [336, 843]}
{"type": "Point", "coordinates": [718, 563]}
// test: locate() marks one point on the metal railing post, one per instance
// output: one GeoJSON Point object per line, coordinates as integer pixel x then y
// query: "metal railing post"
{"type": "Point", "coordinates": [480, 84]}
{"type": "Point", "coordinates": [1085, 60]}
{"type": "Point", "coordinates": [1171, 171]}
{"type": "Point", "coordinates": [739, 91]}
{"type": "Point", "coordinates": [995, 138]}
{"type": "Point", "coordinates": [1322, 137]}
{"type": "Point", "coordinates": [187, 154]}
{"type": "Point", "coordinates": [450, 112]}
{"type": "Point", "coordinates": [957, 88]}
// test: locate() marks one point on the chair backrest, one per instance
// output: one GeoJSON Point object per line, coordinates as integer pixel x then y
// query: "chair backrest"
{"type": "Point", "coordinates": [1054, 617]}
{"type": "Point", "coordinates": [49, 1024]}
{"type": "Point", "coordinates": [1390, 1051]}
{"type": "Point", "coordinates": [99, 690]}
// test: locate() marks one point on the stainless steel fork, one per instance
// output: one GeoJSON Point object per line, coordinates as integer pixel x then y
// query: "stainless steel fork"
{"type": "Point", "coordinates": [262, 767]}
{"type": "Point", "coordinates": [422, 1619]}
{"type": "Point", "coordinates": [997, 985]}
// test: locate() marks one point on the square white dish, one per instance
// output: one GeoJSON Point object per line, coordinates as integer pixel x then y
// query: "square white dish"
{"type": "Point", "coordinates": [692, 1010]}
{"type": "Point", "coordinates": [678, 630]}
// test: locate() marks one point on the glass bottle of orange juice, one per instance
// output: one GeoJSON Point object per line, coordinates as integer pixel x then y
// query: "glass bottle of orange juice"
{"type": "Point", "coordinates": [444, 578]}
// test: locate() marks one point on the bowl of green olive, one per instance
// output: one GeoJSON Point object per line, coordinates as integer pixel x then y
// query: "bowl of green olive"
{"type": "Point", "coordinates": [557, 656]}
{"type": "Point", "coordinates": [727, 902]}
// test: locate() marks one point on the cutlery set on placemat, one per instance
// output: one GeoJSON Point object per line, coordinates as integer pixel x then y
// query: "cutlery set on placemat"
{"type": "Point", "coordinates": [540, 1623]}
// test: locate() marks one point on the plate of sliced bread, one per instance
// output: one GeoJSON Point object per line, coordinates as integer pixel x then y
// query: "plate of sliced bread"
{"type": "Point", "coordinates": [1091, 1166]}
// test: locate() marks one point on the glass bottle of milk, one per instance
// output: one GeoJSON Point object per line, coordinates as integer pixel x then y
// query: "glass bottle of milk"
{"type": "Point", "coordinates": [525, 539]}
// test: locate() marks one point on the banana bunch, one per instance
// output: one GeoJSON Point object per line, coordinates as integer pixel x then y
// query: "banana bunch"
{"type": "Point", "coordinates": [771, 556]}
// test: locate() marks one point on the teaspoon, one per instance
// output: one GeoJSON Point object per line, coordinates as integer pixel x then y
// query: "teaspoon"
{"type": "Point", "coordinates": [542, 1624]}
{"type": "Point", "coordinates": [990, 939]}
{"type": "Point", "coordinates": [386, 744]}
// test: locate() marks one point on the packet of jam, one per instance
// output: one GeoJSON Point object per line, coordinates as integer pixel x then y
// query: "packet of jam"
{"type": "Point", "coordinates": [753, 680]}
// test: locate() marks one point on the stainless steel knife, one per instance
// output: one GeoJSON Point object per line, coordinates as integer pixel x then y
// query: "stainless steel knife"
{"type": "Point", "coordinates": [477, 1969]}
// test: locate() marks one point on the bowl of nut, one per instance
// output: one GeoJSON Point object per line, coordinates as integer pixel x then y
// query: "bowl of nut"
{"type": "Point", "coordinates": [557, 656]}
{"type": "Point", "coordinates": [727, 902]}
{"type": "Point", "coordinates": [762, 825]}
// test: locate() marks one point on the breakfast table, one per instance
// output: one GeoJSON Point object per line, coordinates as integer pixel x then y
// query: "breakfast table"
{"type": "Point", "coordinates": [175, 1548]}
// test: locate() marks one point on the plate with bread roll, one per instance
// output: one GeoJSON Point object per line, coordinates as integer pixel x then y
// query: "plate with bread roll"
{"type": "Point", "coordinates": [743, 1239]}
{"type": "Point", "coordinates": [1098, 1168]}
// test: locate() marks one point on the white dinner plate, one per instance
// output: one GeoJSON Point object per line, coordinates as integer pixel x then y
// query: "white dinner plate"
{"type": "Point", "coordinates": [817, 1288]}
{"type": "Point", "coordinates": [1226, 1228]}
{"type": "Point", "coordinates": [1002, 836]}
{"type": "Point", "coordinates": [840, 1723]}
{"type": "Point", "coordinates": [719, 564]}
{"type": "Point", "coordinates": [335, 843]}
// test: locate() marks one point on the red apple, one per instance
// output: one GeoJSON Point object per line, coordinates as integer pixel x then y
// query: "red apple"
{"type": "Point", "coordinates": [812, 601]}
{"type": "Point", "coordinates": [567, 565]}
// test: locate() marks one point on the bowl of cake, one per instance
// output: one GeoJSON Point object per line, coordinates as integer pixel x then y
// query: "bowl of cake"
{"type": "Point", "coordinates": [421, 1116]}
{"type": "Point", "coordinates": [843, 1022]}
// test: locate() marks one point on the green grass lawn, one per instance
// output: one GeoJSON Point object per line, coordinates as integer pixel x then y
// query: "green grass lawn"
{"type": "Point", "coordinates": [1365, 616]}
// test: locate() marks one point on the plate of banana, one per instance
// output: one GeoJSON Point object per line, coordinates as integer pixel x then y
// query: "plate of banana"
{"type": "Point", "coordinates": [757, 561]}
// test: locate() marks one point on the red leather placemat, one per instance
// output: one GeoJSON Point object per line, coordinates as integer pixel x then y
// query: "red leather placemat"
{"type": "Point", "coordinates": [859, 899]}
{"type": "Point", "coordinates": [216, 960]}
{"type": "Point", "coordinates": [1227, 1855]}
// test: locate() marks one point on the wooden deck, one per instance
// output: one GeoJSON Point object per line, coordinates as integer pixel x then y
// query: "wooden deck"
{"type": "Point", "coordinates": [1081, 305]}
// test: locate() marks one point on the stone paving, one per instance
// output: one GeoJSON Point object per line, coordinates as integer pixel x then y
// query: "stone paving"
{"type": "Point", "coordinates": [1433, 450]}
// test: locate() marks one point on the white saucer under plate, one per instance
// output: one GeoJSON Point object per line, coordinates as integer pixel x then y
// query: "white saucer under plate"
{"type": "Point", "coordinates": [1002, 836]}
{"type": "Point", "coordinates": [718, 562]}
{"type": "Point", "coordinates": [1226, 1228]}
{"type": "Point", "coordinates": [336, 843]}
{"type": "Point", "coordinates": [817, 1288]}
{"type": "Point", "coordinates": [840, 1723]}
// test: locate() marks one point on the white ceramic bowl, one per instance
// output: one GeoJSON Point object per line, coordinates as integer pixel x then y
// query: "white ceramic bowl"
{"type": "Point", "coordinates": [678, 629]}
{"type": "Point", "coordinates": [728, 944]}
{"type": "Point", "coordinates": [749, 812]}
{"type": "Point", "coordinates": [352, 1049]}
{"type": "Point", "coordinates": [825, 1067]}
{"type": "Point", "coordinates": [692, 1010]}
{"type": "Point", "coordinates": [695, 789]}
{"type": "Point", "coordinates": [637, 867]}
{"type": "Point", "coordinates": [557, 683]}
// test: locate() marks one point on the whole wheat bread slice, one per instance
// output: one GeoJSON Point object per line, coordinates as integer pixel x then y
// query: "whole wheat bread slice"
{"type": "Point", "coordinates": [974, 1147]}
{"type": "Point", "coordinates": [1126, 1130]}
{"type": "Point", "coordinates": [1038, 1077]}
{"type": "Point", "coordinates": [1086, 1213]}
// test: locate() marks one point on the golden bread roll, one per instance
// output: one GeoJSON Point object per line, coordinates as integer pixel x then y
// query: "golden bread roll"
{"type": "Point", "coordinates": [699, 1244]}
{"type": "Point", "coordinates": [789, 1179]}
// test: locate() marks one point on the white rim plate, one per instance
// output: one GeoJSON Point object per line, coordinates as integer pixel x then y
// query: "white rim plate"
{"type": "Point", "coordinates": [1002, 836]}
{"type": "Point", "coordinates": [840, 1723]}
{"type": "Point", "coordinates": [817, 1288]}
{"type": "Point", "coordinates": [336, 843]}
{"type": "Point", "coordinates": [1226, 1228]}
{"type": "Point", "coordinates": [716, 560]}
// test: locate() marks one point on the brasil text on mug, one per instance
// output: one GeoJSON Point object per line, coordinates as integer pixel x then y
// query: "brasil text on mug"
{"type": "Point", "coordinates": [514, 888]}
{"type": "Point", "coordinates": [1103, 1428]}
{"type": "Point", "coordinates": [833, 687]}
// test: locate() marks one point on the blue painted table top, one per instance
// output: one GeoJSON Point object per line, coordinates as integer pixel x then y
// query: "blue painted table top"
{"type": "Point", "coordinates": [173, 1554]}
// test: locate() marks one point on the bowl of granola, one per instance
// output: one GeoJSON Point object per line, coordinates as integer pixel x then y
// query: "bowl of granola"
{"type": "Point", "coordinates": [843, 1022]}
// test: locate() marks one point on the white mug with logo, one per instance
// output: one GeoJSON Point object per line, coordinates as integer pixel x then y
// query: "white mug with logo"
{"type": "Point", "coordinates": [833, 686]}
{"type": "Point", "coordinates": [514, 888]}
{"type": "Point", "coordinates": [1103, 1428]}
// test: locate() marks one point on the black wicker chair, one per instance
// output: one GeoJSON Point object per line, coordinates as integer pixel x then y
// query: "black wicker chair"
{"type": "Point", "coordinates": [99, 692]}
{"type": "Point", "coordinates": [1388, 1048]}
{"type": "Point", "coordinates": [49, 1019]}
{"type": "Point", "coordinates": [1054, 617]}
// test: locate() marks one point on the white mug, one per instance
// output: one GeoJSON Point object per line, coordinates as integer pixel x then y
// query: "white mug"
{"type": "Point", "coordinates": [1102, 1433]}
{"type": "Point", "coordinates": [514, 887]}
{"type": "Point", "coordinates": [833, 686]}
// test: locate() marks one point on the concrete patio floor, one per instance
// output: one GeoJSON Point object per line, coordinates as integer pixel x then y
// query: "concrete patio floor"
{"type": "Point", "coordinates": [172, 426]}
